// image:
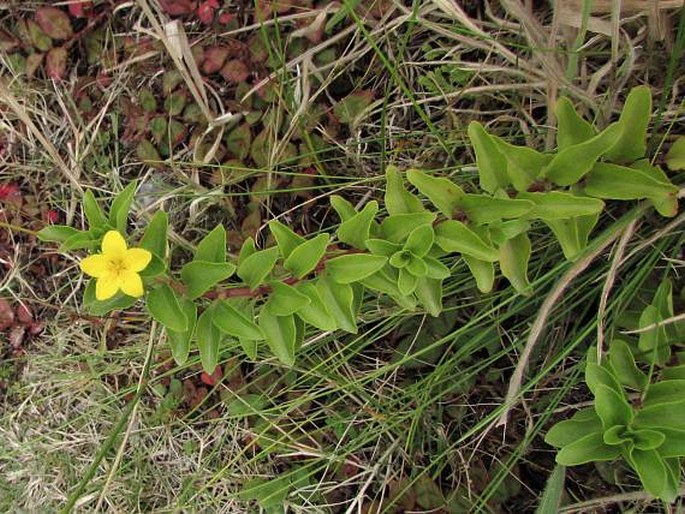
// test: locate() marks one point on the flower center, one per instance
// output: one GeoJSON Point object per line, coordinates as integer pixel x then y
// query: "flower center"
{"type": "Point", "coordinates": [117, 266]}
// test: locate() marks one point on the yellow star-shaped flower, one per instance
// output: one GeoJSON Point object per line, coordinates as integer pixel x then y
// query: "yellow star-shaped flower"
{"type": "Point", "coordinates": [117, 267]}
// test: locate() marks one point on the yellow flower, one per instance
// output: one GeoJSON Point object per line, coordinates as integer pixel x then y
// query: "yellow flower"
{"type": "Point", "coordinates": [117, 267]}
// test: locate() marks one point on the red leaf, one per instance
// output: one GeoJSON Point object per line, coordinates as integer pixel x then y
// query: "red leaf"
{"type": "Point", "coordinates": [54, 22]}
{"type": "Point", "coordinates": [6, 315]}
{"type": "Point", "coordinates": [178, 7]}
{"type": "Point", "coordinates": [215, 56]}
{"type": "Point", "coordinates": [50, 216]}
{"type": "Point", "coordinates": [8, 190]}
{"type": "Point", "coordinates": [206, 11]}
{"type": "Point", "coordinates": [235, 71]}
{"type": "Point", "coordinates": [56, 63]}
{"type": "Point", "coordinates": [24, 314]}
{"type": "Point", "coordinates": [36, 328]}
{"type": "Point", "coordinates": [225, 18]}
{"type": "Point", "coordinates": [212, 379]}
{"type": "Point", "coordinates": [10, 194]}
{"type": "Point", "coordinates": [80, 8]}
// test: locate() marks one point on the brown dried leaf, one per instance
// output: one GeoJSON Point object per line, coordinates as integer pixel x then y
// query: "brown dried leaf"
{"type": "Point", "coordinates": [54, 22]}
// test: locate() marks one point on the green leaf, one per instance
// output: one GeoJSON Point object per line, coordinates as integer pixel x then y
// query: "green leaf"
{"type": "Point", "coordinates": [435, 268]}
{"type": "Point", "coordinates": [651, 469]}
{"type": "Point", "coordinates": [397, 199]}
{"type": "Point", "coordinates": [286, 239]}
{"type": "Point", "coordinates": [665, 391]}
{"type": "Point", "coordinates": [382, 247]}
{"type": "Point", "coordinates": [255, 268]}
{"type": "Point", "coordinates": [560, 205]}
{"type": "Point", "coordinates": [623, 364]}
{"type": "Point", "coordinates": [553, 493]}
{"type": "Point", "coordinates": [407, 282]}
{"type": "Point", "coordinates": [155, 238]}
{"type": "Point", "coordinates": [163, 306]}
{"type": "Point", "coordinates": [91, 208]}
{"type": "Point", "coordinates": [397, 227]}
{"type": "Point", "coordinates": [354, 267]}
{"type": "Point", "coordinates": [524, 164]}
{"type": "Point", "coordinates": [513, 262]}
{"type": "Point", "coordinates": [344, 208]}
{"type": "Point", "coordinates": [674, 373]}
{"type": "Point", "coordinates": [615, 182]}
{"type": "Point", "coordinates": [501, 232]}
{"type": "Point", "coordinates": [355, 231]}
{"type": "Point", "coordinates": [482, 271]}
{"type": "Point", "coordinates": [633, 123]}
{"type": "Point", "coordinates": [234, 322]}
{"type": "Point", "coordinates": [429, 292]}
{"type": "Point", "coordinates": [315, 312]}
{"type": "Point", "coordinates": [179, 342]}
{"type": "Point", "coordinates": [57, 233]}
{"type": "Point", "coordinates": [246, 250]}
{"type": "Point", "coordinates": [121, 205]}
{"type": "Point", "coordinates": [674, 442]}
{"type": "Point", "coordinates": [212, 248]}
{"type": "Point", "coordinates": [249, 347]}
{"type": "Point", "coordinates": [455, 236]}
{"type": "Point", "coordinates": [442, 192]}
{"type": "Point", "coordinates": [583, 423]}
{"type": "Point", "coordinates": [573, 233]}
{"type": "Point", "coordinates": [572, 163]}
{"type": "Point", "coordinates": [385, 282]}
{"type": "Point", "coordinates": [280, 335]}
{"type": "Point", "coordinates": [675, 158]}
{"type": "Point", "coordinates": [612, 407]}
{"type": "Point", "coordinates": [596, 375]}
{"type": "Point", "coordinates": [82, 239]}
{"type": "Point", "coordinates": [662, 415]}
{"type": "Point", "coordinates": [200, 276]}
{"type": "Point", "coordinates": [339, 299]}
{"type": "Point", "coordinates": [590, 448]}
{"type": "Point", "coordinates": [571, 128]}
{"type": "Point", "coordinates": [416, 266]}
{"type": "Point", "coordinates": [420, 240]}
{"type": "Point", "coordinates": [663, 301]}
{"type": "Point", "coordinates": [492, 165]}
{"type": "Point", "coordinates": [646, 439]}
{"type": "Point", "coordinates": [208, 339]}
{"type": "Point", "coordinates": [653, 342]}
{"type": "Point", "coordinates": [304, 259]}
{"type": "Point", "coordinates": [618, 435]}
{"type": "Point", "coordinates": [285, 300]}
{"type": "Point", "coordinates": [484, 209]}
{"type": "Point", "coordinates": [156, 267]}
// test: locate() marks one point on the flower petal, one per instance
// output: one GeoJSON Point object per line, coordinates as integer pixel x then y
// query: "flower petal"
{"type": "Point", "coordinates": [131, 284]}
{"type": "Point", "coordinates": [137, 259]}
{"type": "Point", "coordinates": [96, 265]}
{"type": "Point", "coordinates": [106, 287]}
{"type": "Point", "coordinates": [113, 244]}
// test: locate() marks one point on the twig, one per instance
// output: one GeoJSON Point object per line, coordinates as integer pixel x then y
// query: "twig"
{"type": "Point", "coordinates": [609, 283]}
